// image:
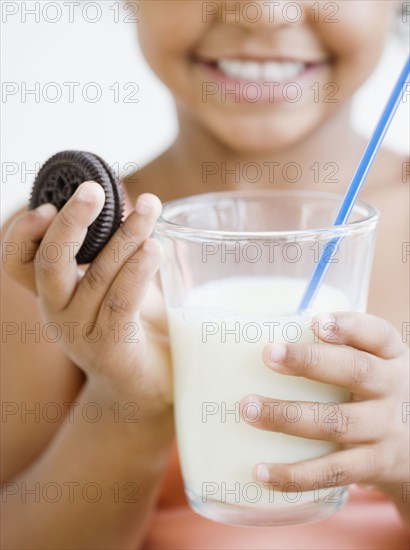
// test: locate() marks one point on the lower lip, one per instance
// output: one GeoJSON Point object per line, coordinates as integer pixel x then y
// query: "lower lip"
{"type": "Point", "coordinates": [259, 92]}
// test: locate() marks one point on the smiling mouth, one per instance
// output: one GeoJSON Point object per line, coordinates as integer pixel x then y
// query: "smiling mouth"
{"type": "Point", "coordinates": [259, 71]}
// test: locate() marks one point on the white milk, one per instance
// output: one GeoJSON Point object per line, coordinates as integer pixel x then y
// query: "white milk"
{"type": "Point", "coordinates": [217, 340]}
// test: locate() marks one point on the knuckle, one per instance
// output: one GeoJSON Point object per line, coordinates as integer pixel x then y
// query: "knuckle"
{"type": "Point", "coordinates": [67, 219]}
{"type": "Point", "coordinates": [45, 264]}
{"type": "Point", "coordinates": [117, 305]}
{"type": "Point", "coordinates": [361, 368]}
{"type": "Point", "coordinates": [390, 340]}
{"type": "Point", "coordinates": [386, 330]}
{"type": "Point", "coordinates": [126, 238]}
{"type": "Point", "coordinates": [337, 426]}
{"type": "Point", "coordinates": [94, 277]}
{"type": "Point", "coordinates": [136, 270]}
{"type": "Point", "coordinates": [310, 357]}
{"type": "Point", "coordinates": [275, 419]}
{"type": "Point", "coordinates": [380, 460]}
{"type": "Point", "coordinates": [372, 464]}
{"type": "Point", "coordinates": [297, 476]}
{"type": "Point", "coordinates": [335, 474]}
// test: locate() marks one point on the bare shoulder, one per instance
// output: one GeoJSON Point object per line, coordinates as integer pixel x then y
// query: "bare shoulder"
{"type": "Point", "coordinates": [37, 380]}
{"type": "Point", "coordinates": [389, 183]}
{"type": "Point", "coordinates": [390, 166]}
{"type": "Point", "coordinates": [153, 178]}
{"type": "Point", "coordinates": [390, 194]}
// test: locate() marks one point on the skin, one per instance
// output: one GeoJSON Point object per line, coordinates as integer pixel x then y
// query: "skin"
{"type": "Point", "coordinates": [369, 351]}
{"type": "Point", "coordinates": [257, 127]}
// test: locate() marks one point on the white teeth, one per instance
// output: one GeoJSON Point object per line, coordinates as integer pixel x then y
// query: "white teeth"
{"type": "Point", "coordinates": [250, 70]}
{"type": "Point", "coordinates": [273, 71]}
{"type": "Point", "coordinates": [230, 68]}
{"type": "Point", "coordinates": [293, 69]}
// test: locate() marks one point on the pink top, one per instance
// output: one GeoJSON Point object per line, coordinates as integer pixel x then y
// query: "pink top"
{"type": "Point", "coordinates": [369, 521]}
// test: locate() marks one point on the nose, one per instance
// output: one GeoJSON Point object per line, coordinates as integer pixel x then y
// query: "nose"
{"type": "Point", "coordinates": [258, 15]}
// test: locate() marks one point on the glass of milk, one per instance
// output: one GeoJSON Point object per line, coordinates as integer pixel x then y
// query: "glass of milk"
{"type": "Point", "coordinates": [237, 264]}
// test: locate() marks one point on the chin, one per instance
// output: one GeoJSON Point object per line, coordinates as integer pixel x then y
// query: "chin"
{"type": "Point", "coordinates": [254, 135]}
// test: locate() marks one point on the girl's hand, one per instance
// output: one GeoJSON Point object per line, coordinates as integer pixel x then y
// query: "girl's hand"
{"type": "Point", "coordinates": [96, 314]}
{"type": "Point", "coordinates": [366, 355]}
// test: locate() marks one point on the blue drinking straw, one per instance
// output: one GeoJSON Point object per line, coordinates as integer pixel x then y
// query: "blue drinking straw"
{"type": "Point", "coordinates": [356, 185]}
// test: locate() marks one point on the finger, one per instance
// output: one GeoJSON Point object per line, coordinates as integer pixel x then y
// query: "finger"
{"type": "Point", "coordinates": [120, 248]}
{"type": "Point", "coordinates": [359, 330]}
{"type": "Point", "coordinates": [153, 311]}
{"type": "Point", "coordinates": [357, 371]}
{"type": "Point", "coordinates": [55, 265]}
{"type": "Point", "coordinates": [356, 465]}
{"type": "Point", "coordinates": [347, 423]}
{"type": "Point", "coordinates": [126, 294]}
{"type": "Point", "coordinates": [21, 241]}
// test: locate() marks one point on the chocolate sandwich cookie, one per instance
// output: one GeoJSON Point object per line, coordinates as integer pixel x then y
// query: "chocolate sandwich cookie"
{"type": "Point", "coordinates": [57, 181]}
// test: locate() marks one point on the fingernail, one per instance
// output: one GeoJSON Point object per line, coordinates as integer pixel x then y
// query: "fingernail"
{"type": "Point", "coordinates": [85, 194]}
{"type": "Point", "coordinates": [46, 210]}
{"type": "Point", "coordinates": [262, 473]}
{"type": "Point", "coordinates": [251, 411]}
{"type": "Point", "coordinates": [325, 318]}
{"type": "Point", "coordinates": [143, 207]}
{"type": "Point", "coordinates": [325, 322]}
{"type": "Point", "coordinates": [277, 352]}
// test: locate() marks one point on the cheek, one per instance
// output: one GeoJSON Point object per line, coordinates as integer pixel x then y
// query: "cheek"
{"type": "Point", "coordinates": [359, 31]}
{"type": "Point", "coordinates": [356, 41]}
{"type": "Point", "coordinates": [168, 31]}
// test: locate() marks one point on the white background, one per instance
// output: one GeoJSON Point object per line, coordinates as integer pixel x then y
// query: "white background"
{"type": "Point", "coordinates": [106, 52]}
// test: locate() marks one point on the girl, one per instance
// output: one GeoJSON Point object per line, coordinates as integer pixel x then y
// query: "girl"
{"type": "Point", "coordinates": [116, 482]}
